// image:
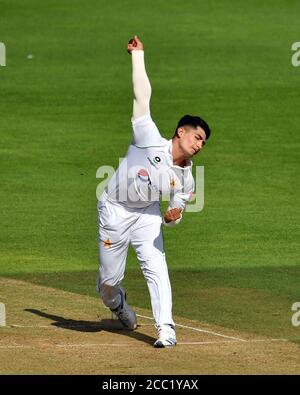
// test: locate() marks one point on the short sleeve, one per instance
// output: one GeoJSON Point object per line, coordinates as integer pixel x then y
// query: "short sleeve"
{"type": "Point", "coordinates": [145, 132]}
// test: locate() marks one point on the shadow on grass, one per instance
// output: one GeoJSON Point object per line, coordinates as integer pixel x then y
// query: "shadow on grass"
{"type": "Point", "coordinates": [106, 325]}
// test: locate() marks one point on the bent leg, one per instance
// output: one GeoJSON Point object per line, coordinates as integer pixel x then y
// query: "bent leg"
{"type": "Point", "coordinates": [111, 272]}
{"type": "Point", "coordinates": [113, 247]}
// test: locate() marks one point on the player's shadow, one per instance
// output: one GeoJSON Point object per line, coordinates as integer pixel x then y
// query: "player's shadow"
{"type": "Point", "coordinates": [107, 325]}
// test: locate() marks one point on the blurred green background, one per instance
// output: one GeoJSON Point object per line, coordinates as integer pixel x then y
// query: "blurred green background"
{"type": "Point", "coordinates": [66, 101]}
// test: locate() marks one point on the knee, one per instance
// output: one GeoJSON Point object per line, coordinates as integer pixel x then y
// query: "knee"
{"type": "Point", "coordinates": [110, 295]}
{"type": "Point", "coordinates": [106, 291]}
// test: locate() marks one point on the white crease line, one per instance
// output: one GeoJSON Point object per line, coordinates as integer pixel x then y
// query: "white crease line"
{"type": "Point", "coordinates": [133, 343]}
{"type": "Point", "coordinates": [96, 345]}
{"type": "Point", "coordinates": [54, 326]}
{"type": "Point", "coordinates": [179, 343]}
{"type": "Point", "coordinates": [31, 326]}
{"type": "Point", "coordinates": [232, 341]}
{"type": "Point", "coordinates": [73, 345]}
{"type": "Point", "coordinates": [204, 343]}
{"type": "Point", "coordinates": [179, 325]}
{"type": "Point", "coordinates": [200, 330]}
{"type": "Point", "coordinates": [212, 333]}
{"type": "Point", "coordinates": [21, 346]}
{"type": "Point", "coordinates": [272, 340]}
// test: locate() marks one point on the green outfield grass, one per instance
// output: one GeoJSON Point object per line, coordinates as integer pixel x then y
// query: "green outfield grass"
{"type": "Point", "coordinates": [65, 111]}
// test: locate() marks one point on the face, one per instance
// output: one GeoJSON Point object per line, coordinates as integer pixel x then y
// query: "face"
{"type": "Point", "coordinates": [191, 140]}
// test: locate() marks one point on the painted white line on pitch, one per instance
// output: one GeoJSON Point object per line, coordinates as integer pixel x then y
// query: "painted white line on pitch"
{"type": "Point", "coordinates": [32, 326]}
{"type": "Point", "coordinates": [21, 346]}
{"type": "Point", "coordinates": [207, 342]}
{"type": "Point", "coordinates": [96, 344]}
{"type": "Point", "coordinates": [199, 330]}
{"type": "Point", "coordinates": [52, 326]}
{"type": "Point", "coordinates": [270, 340]}
{"type": "Point", "coordinates": [183, 326]}
{"type": "Point", "coordinates": [179, 343]}
{"type": "Point", "coordinates": [233, 341]}
{"type": "Point", "coordinates": [211, 333]}
{"type": "Point", "coordinates": [134, 344]}
{"type": "Point", "coordinates": [179, 325]}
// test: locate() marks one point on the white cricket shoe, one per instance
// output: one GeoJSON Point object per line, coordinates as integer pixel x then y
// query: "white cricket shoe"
{"type": "Point", "coordinates": [166, 337]}
{"type": "Point", "coordinates": [125, 313]}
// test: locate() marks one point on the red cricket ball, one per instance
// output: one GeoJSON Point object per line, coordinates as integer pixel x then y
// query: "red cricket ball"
{"type": "Point", "coordinates": [133, 42]}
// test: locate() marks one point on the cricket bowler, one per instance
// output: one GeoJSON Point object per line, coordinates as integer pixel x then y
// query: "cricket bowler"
{"type": "Point", "coordinates": [129, 208]}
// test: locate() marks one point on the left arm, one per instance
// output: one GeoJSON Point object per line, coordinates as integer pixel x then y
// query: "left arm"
{"type": "Point", "coordinates": [178, 203]}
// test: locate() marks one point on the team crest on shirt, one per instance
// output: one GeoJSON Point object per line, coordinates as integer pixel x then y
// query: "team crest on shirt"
{"type": "Point", "coordinates": [173, 183]}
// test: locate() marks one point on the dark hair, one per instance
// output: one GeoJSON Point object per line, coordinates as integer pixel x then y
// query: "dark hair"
{"type": "Point", "coordinates": [193, 120]}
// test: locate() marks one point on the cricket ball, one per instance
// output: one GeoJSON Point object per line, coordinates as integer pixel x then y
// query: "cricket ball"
{"type": "Point", "coordinates": [133, 42]}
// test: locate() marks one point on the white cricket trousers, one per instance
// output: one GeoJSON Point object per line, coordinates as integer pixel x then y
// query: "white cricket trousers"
{"type": "Point", "coordinates": [120, 226]}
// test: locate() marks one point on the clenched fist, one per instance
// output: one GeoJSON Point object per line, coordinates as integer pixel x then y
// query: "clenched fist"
{"type": "Point", "coordinates": [134, 45]}
{"type": "Point", "coordinates": [172, 215]}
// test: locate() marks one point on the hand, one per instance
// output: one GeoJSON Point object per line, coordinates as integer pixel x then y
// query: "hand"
{"type": "Point", "coordinates": [135, 44]}
{"type": "Point", "coordinates": [173, 214]}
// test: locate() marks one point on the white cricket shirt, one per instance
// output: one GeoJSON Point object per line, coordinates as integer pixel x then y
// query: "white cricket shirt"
{"type": "Point", "coordinates": [147, 174]}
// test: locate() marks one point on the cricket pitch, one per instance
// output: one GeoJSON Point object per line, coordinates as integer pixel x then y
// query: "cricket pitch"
{"type": "Point", "coordinates": [49, 331]}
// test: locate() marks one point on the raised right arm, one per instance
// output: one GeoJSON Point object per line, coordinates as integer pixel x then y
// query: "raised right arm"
{"type": "Point", "coordinates": [140, 80]}
{"type": "Point", "coordinates": [145, 132]}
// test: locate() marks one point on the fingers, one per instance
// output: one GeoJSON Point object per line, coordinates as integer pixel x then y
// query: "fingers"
{"type": "Point", "coordinates": [130, 47]}
{"type": "Point", "coordinates": [173, 214]}
{"type": "Point", "coordinates": [139, 43]}
{"type": "Point", "coordinates": [132, 44]}
{"type": "Point", "coordinates": [176, 210]}
{"type": "Point", "coordinates": [135, 44]}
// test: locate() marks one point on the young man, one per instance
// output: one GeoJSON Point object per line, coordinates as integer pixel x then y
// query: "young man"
{"type": "Point", "coordinates": [129, 208]}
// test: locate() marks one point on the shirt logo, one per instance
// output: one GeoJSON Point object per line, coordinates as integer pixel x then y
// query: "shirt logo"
{"type": "Point", "coordinates": [155, 161]}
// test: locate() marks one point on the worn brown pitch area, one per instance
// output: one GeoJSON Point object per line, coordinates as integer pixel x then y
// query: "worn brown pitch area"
{"type": "Point", "coordinates": [50, 331]}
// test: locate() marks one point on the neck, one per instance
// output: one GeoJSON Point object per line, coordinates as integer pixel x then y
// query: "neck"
{"type": "Point", "coordinates": [179, 159]}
